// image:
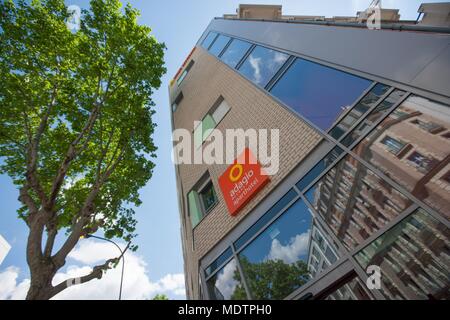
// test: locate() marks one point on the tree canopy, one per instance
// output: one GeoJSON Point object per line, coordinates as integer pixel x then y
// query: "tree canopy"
{"type": "Point", "coordinates": [75, 124]}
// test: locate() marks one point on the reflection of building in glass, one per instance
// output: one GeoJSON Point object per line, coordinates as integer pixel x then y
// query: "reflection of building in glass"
{"type": "Point", "coordinates": [412, 147]}
{"type": "Point", "coordinates": [414, 257]}
{"type": "Point", "coordinates": [321, 252]}
{"type": "Point", "coordinates": [358, 156]}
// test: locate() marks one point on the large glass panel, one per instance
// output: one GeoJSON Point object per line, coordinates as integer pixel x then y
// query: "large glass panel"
{"type": "Point", "coordinates": [219, 44]}
{"type": "Point", "coordinates": [414, 259]}
{"type": "Point", "coordinates": [194, 211]}
{"type": "Point", "coordinates": [275, 263]}
{"type": "Point", "coordinates": [235, 51]}
{"type": "Point", "coordinates": [226, 284]}
{"type": "Point", "coordinates": [354, 202]}
{"type": "Point", "coordinates": [319, 168]}
{"type": "Point", "coordinates": [218, 262]}
{"type": "Point", "coordinates": [318, 93]}
{"type": "Point", "coordinates": [367, 102]}
{"type": "Point", "coordinates": [375, 115]}
{"type": "Point", "coordinates": [269, 215]}
{"type": "Point", "coordinates": [353, 289]}
{"type": "Point", "coordinates": [208, 40]}
{"type": "Point", "coordinates": [262, 64]}
{"type": "Point", "coordinates": [322, 252]}
{"type": "Point", "coordinates": [417, 159]}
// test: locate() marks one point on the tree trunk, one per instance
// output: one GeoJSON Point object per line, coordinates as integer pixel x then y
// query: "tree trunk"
{"type": "Point", "coordinates": [41, 287]}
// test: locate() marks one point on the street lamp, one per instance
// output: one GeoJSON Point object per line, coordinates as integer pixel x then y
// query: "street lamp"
{"type": "Point", "coordinates": [121, 255]}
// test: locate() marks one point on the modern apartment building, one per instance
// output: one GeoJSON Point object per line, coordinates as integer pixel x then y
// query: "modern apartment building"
{"type": "Point", "coordinates": [363, 182]}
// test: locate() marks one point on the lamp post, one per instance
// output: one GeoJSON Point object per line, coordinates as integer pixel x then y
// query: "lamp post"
{"type": "Point", "coordinates": [121, 255]}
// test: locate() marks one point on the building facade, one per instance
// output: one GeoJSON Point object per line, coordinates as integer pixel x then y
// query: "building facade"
{"type": "Point", "coordinates": [363, 183]}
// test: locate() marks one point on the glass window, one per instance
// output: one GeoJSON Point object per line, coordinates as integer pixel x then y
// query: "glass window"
{"type": "Point", "coordinates": [375, 115]}
{"type": "Point", "coordinates": [218, 262]}
{"type": "Point", "coordinates": [428, 126]}
{"type": "Point", "coordinates": [275, 263]}
{"type": "Point", "coordinates": [219, 44]}
{"type": "Point", "coordinates": [177, 101]}
{"type": "Point", "coordinates": [353, 289]}
{"type": "Point", "coordinates": [220, 111]}
{"type": "Point", "coordinates": [269, 215]}
{"type": "Point", "coordinates": [235, 52]}
{"type": "Point", "coordinates": [208, 40]}
{"type": "Point", "coordinates": [208, 196]}
{"type": "Point", "coordinates": [413, 258]}
{"type": "Point", "coordinates": [194, 209]}
{"type": "Point", "coordinates": [354, 202]}
{"type": "Point", "coordinates": [318, 93]}
{"type": "Point", "coordinates": [226, 284]}
{"type": "Point", "coordinates": [426, 156]}
{"type": "Point", "coordinates": [319, 168]}
{"type": "Point", "coordinates": [185, 72]}
{"type": "Point", "coordinates": [210, 121]}
{"type": "Point", "coordinates": [201, 199]}
{"type": "Point", "coordinates": [262, 64]}
{"type": "Point", "coordinates": [393, 145]}
{"type": "Point", "coordinates": [367, 102]}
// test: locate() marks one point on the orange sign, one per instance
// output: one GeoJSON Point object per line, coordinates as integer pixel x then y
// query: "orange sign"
{"type": "Point", "coordinates": [241, 181]}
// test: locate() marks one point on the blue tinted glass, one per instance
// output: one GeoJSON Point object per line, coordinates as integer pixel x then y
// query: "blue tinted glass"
{"type": "Point", "coordinates": [235, 51]}
{"type": "Point", "coordinates": [218, 262]}
{"type": "Point", "coordinates": [208, 40]}
{"type": "Point", "coordinates": [218, 45]}
{"type": "Point", "coordinates": [262, 64]}
{"type": "Point", "coordinates": [367, 102]}
{"type": "Point", "coordinates": [318, 93]}
{"type": "Point", "coordinates": [283, 202]}
{"type": "Point", "coordinates": [319, 168]}
{"type": "Point", "coordinates": [275, 263]}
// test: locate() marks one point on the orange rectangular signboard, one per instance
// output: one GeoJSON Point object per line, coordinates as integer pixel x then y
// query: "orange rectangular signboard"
{"type": "Point", "coordinates": [241, 181]}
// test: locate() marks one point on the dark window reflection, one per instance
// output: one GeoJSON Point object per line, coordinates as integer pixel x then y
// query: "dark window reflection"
{"type": "Point", "coordinates": [208, 40]}
{"type": "Point", "coordinates": [367, 102]}
{"type": "Point", "coordinates": [319, 168]}
{"type": "Point", "coordinates": [218, 262]}
{"type": "Point", "coordinates": [408, 146]}
{"type": "Point", "coordinates": [376, 114]}
{"type": "Point", "coordinates": [219, 44]}
{"type": "Point", "coordinates": [262, 64]}
{"type": "Point", "coordinates": [413, 258]}
{"type": "Point", "coordinates": [353, 289]}
{"type": "Point", "coordinates": [235, 52]}
{"type": "Point", "coordinates": [226, 284]}
{"type": "Point", "coordinates": [275, 263]}
{"type": "Point", "coordinates": [355, 202]}
{"type": "Point", "coordinates": [318, 93]}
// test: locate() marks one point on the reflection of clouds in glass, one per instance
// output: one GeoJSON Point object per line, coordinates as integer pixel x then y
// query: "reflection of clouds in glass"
{"type": "Point", "coordinates": [291, 252]}
{"type": "Point", "coordinates": [278, 59]}
{"type": "Point", "coordinates": [225, 282]}
{"type": "Point", "coordinates": [255, 63]}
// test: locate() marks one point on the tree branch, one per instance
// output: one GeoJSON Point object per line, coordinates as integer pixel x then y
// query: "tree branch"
{"type": "Point", "coordinates": [97, 273]}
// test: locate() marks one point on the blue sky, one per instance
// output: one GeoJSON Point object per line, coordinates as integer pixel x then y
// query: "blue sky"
{"type": "Point", "coordinates": [179, 24]}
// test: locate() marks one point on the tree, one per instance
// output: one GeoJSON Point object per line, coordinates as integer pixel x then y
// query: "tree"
{"type": "Point", "coordinates": [75, 125]}
{"type": "Point", "coordinates": [271, 279]}
{"type": "Point", "coordinates": [160, 297]}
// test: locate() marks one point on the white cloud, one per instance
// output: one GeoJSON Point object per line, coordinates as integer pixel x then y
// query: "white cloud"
{"type": "Point", "coordinates": [291, 252]}
{"type": "Point", "coordinates": [255, 63]}
{"type": "Point", "coordinates": [225, 281]}
{"type": "Point", "coordinates": [136, 282]}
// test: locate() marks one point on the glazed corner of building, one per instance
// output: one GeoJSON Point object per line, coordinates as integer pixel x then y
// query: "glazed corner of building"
{"type": "Point", "coordinates": [381, 56]}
